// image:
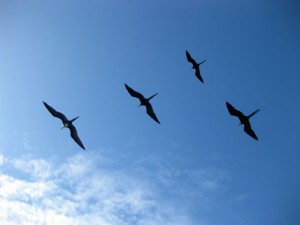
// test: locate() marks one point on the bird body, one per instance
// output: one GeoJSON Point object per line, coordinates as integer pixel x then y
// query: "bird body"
{"type": "Point", "coordinates": [143, 102]}
{"type": "Point", "coordinates": [244, 120]}
{"type": "Point", "coordinates": [196, 65]}
{"type": "Point", "coordinates": [66, 124]}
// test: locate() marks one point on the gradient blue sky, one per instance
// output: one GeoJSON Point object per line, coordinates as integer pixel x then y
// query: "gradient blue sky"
{"type": "Point", "coordinates": [196, 168]}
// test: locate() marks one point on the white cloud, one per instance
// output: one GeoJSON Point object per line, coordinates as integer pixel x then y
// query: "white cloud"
{"type": "Point", "coordinates": [78, 192]}
{"type": "Point", "coordinates": [36, 168]}
{"type": "Point", "coordinates": [2, 159]}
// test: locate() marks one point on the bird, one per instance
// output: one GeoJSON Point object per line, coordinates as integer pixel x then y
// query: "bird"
{"type": "Point", "coordinates": [144, 102]}
{"type": "Point", "coordinates": [66, 124]}
{"type": "Point", "coordinates": [196, 65]}
{"type": "Point", "coordinates": [243, 119]}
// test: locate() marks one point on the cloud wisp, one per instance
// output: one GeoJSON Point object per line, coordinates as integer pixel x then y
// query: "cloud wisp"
{"type": "Point", "coordinates": [78, 191]}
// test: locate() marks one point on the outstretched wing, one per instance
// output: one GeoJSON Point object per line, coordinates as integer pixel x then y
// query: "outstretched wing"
{"type": "Point", "coordinates": [151, 113]}
{"type": "Point", "coordinates": [56, 113]}
{"type": "Point", "coordinates": [189, 58]}
{"type": "Point", "coordinates": [197, 73]}
{"type": "Point", "coordinates": [233, 111]}
{"type": "Point", "coordinates": [134, 93]}
{"type": "Point", "coordinates": [74, 135]}
{"type": "Point", "coordinates": [249, 131]}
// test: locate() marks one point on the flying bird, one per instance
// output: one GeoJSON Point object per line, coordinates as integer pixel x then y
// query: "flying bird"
{"type": "Point", "coordinates": [66, 123]}
{"type": "Point", "coordinates": [243, 119]}
{"type": "Point", "coordinates": [196, 65]}
{"type": "Point", "coordinates": [144, 101]}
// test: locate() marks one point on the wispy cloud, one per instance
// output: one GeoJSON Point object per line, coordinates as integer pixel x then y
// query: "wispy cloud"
{"type": "Point", "coordinates": [2, 159]}
{"type": "Point", "coordinates": [77, 191]}
{"type": "Point", "coordinates": [27, 140]}
{"type": "Point", "coordinates": [38, 169]}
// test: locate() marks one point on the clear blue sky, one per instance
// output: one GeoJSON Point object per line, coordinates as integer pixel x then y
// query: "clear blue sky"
{"type": "Point", "coordinates": [196, 168]}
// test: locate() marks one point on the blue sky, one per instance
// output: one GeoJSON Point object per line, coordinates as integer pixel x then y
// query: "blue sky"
{"type": "Point", "coordinates": [196, 168]}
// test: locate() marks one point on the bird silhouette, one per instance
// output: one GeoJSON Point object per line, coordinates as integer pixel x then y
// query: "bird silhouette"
{"type": "Point", "coordinates": [144, 102]}
{"type": "Point", "coordinates": [196, 65]}
{"type": "Point", "coordinates": [243, 119]}
{"type": "Point", "coordinates": [66, 123]}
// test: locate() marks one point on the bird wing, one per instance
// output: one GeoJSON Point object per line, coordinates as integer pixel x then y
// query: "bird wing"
{"type": "Point", "coordinates": [249, 131]}
{"type": "Point", "coordinates": [74, 135]}
{"type": "Point", "coordinates": [151, 113]}
{"type": "Point", "coordinates": [197, 73]}
{"type": "Point", "coordinates": [233, 111]}
{"type": "Point", "coordinates": [189, 58]}
{"type": "Point", "coordinates": [134, 93]}
{"type": "Point", "coordinates": [56, 113]}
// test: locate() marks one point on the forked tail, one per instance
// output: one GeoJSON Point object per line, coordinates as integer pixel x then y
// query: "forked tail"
{"type": "Point", "coordinates": [252, 114]}
{"type": "Point", "coordinates": [202, 62]}
{"type": "Point", "coordinates": [152, 96]}
{"type": "Point", "coordinates": [72, 120]}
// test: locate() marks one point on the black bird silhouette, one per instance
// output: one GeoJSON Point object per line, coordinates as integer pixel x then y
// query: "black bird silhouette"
{"type": "Point", "coordinates": [243, 119]}
{"type": "Point", "coordinates": [196, 65]}
{"type": "Point", "coordinates": [144, 101]}
{"type": "Point", "coordinates": [66, 123]}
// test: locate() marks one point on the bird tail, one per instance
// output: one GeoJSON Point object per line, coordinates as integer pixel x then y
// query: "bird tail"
{"type": "Point", "coordinates": [152, 96]}
{"type": "Point", "coordinates": [202, 62]}
{"type": "Point", "coordinates": [252, 114]}
{"type": "Point", "coordinates": [74, 119]}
